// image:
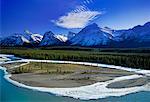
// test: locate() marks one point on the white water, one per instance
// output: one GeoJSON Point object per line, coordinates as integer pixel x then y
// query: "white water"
{"type": "Point", "coordinates": [94, 91]}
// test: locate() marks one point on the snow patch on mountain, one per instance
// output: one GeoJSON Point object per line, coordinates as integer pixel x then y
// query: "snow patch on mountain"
{"type": "Point", "coordinates": [61, 37]}
{"type": "Point", "coordinates": [36, 38]}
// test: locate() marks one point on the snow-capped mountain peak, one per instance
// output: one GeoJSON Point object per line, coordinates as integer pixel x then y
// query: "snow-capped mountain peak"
{"type": "Point", "coordinates": [92, 28]}
{"type": "Point", "coordinates": [32, 37]}
{"type": "Point", "coordinates": [14, 40]}
{"type": "Point", "coordinates": [50, 39]}
{"type": "Point", "coordinates": [19, 39]}
{"type": "Point", "coordinates": [91, 35]}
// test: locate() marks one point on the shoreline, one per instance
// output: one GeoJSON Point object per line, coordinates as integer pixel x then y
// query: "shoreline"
{"type": "Point", "coordinates": [90, 91]}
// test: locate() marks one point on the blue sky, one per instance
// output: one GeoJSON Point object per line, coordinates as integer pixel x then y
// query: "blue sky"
{"type": "Point", "coordinates": [61, 16]}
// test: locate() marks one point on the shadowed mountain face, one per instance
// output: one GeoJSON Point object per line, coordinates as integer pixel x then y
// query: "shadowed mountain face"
{"type": "Point", "coordinates": [91, 35]}
{"type": "Point", "coordinates": [70, 35]}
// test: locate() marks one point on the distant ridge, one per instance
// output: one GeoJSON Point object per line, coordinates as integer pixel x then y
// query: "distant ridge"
{"type": "Point", "coordinates": [90, 36]}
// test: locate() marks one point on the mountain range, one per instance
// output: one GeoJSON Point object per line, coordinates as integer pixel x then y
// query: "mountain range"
{"type": "Point", "coordinates": [90, 36]}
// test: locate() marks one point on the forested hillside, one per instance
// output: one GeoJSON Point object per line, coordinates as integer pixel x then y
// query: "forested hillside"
{"type": "Point", "coordinates": [135, 60]}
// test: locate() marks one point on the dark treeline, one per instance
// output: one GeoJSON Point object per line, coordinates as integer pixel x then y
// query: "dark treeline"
{"type": "Point", "coordinates": [76, 48]}
{"type": "Point", "coordinates": [135, 60]}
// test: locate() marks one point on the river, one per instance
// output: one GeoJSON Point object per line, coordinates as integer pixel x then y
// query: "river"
{"type": "Point", "coordinates": [12, 93]}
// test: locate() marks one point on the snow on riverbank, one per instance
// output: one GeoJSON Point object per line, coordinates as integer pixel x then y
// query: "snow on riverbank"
{"type": "Point", "coordinates": [94, 91]}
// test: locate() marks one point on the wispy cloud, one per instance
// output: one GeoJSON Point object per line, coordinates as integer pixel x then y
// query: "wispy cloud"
{"type": "Point", "coordinates": [77, 18]}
